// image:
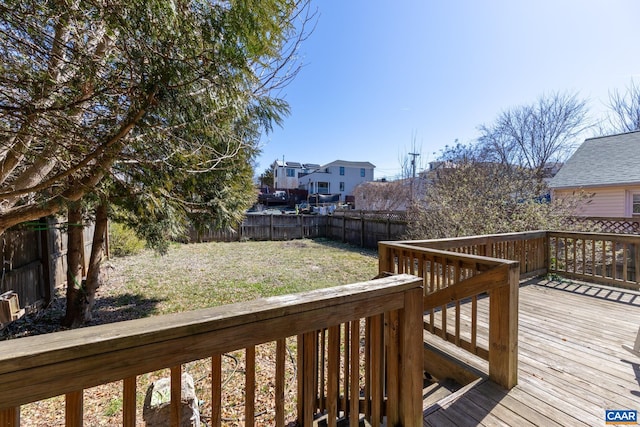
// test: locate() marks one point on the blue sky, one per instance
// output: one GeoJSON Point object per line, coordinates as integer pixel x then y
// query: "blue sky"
{"type": "Point", "coordinates": [378, 76]}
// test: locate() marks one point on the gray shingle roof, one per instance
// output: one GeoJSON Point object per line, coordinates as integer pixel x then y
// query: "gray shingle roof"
{"type": "Point", "coordinates": [602, 161]}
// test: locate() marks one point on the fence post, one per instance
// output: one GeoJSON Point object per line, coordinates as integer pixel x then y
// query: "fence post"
{"type": "Point", "coordinates": [271, 227]}
{"type": "Point", "coordinates": [362, 229]}
{"type": "Point", "coordinates": [503, 330]}
{"type": "Point", "coordinates": [344, 228]}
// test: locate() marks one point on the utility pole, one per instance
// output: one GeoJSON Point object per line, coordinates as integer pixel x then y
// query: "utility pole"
{"type": "Point", "coordinates": [413, 174]}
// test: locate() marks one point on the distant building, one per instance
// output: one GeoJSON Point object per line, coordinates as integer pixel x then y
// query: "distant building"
{"type": "Point", "coordinates": [607, 167]}
{"type": "Point", "coordinates": [339, 176]}
{"type": "Point", "coordinates": [286, 174]}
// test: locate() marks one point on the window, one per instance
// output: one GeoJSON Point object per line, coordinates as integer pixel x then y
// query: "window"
{"type": "Point", "coordinates": [362, 172]}
{"type": "Point", "coordinates": [323, 187]}
{"type": "Point", "coordinates": [341, 170]}
{"type": "Point", "coordinates": [291, 172]}
{"type": "Point", "coordinates": [635, 204]}
{"type": "Point", "coordinates": [342, 186]}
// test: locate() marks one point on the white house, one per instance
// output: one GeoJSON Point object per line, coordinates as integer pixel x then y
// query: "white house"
{"type": "Point", "coordinates": [339, 176]}
{"type": "Point", "coordinates": [286, 174]}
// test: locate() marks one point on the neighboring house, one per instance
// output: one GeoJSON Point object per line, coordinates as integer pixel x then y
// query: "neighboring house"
{"type": "Point", "coordinates": [607, 167]}
{"type": "Point", "coordinates": [286, 174]}
{"type": "Point", "coordinates": [339, 176]}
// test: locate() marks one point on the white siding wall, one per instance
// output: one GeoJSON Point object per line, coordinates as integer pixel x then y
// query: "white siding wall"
{"type": "Point", "coordinates": [606, 202]}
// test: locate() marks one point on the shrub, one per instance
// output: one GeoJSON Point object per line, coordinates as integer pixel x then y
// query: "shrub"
{"type": "Point", "coordinates": [123, 241]}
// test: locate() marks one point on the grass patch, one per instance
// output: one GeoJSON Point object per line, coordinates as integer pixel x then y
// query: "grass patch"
{"type": "Point", "coordinates": [203, 275]}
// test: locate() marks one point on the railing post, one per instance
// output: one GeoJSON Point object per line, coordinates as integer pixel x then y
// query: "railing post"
{"type": "Point", "coordinates": [385, 263]}
{"type": "Point", "coordinates": [10, 417]}
{"type": "Point", "coordinates": [503, 331]}
{"type": "Point", "coordinates": [411, 359]}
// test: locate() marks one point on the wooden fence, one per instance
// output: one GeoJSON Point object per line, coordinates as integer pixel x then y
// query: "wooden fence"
{"type": "Point", "coordinates": [359, 355]}
{"type": "Point", "coordinates": [34, 259]}
{"type": "Point", "coordinates": [357, 228]}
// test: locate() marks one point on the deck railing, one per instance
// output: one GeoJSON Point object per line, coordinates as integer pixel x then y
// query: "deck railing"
{"type": "Point", "coordinates": [610, 259]}
{"type": "Point", "coordinates": [452, 278]}
{"type": "Point", "coordinates": [359, 355]}
{"type": "Point", "coordinates": [465, 269]}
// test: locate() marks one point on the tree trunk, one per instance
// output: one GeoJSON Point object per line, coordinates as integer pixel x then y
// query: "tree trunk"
{"type": "Point", "coordinates": [76, 298]}
{"type": "Point", "coordinates": [94, 273]}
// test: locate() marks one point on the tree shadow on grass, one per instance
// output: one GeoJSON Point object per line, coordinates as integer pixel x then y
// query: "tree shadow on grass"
{"type": "Point", "coordinates": [108, 309]}
{"type": "Point", "coordinates": [123, 307]}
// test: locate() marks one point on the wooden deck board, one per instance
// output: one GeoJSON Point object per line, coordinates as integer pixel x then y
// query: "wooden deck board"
{"type": "Point", "coordinates": [572, 364]}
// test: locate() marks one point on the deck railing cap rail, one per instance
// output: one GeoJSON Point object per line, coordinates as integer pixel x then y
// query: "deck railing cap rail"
{"type": "Point", "coordinates": [57, 347]}
{"type": "Point", "coordinates": [485, 260]}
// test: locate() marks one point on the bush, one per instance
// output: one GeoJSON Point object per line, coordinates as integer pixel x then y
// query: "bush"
{"type": "Point", "coordinates": [123, 241]}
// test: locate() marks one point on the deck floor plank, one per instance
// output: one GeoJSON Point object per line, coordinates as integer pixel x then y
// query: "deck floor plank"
{"type": "Point", "coordinates": [572, 363]}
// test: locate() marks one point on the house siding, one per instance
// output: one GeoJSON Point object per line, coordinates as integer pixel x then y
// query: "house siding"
{"type": "Point", "coordinates": [611, 202]}
{"type": "Point", "coordinates": [330, 174]}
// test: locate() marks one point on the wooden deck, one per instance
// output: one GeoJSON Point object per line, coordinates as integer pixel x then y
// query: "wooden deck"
{"type": "Point", "coordinates": [574, 362]}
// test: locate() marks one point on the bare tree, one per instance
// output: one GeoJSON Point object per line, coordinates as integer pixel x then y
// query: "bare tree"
{"type": "Point", "coordinates": [532, 136]}
{"type": "Point", "coordinates": [624, 115]}
{"type": "Point", "coordinates": [473, 196]}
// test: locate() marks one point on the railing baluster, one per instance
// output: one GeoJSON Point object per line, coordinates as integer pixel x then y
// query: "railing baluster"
{"type": "Point", "coordinates": [216, 390]}
{"type": "Point", "coordinates": [354, 371]}
{"type": "Point", "coordinates": [474, 323]}
{"type": "Point", "coordinates": [393, 377]}
{"type": "Point", "coordinates": [176, 395]}
{"type": "Point", "coordinates": [129, 402]}
{"type": "Point", "coordinates": [322, 362]}
{"type": "Point", "coordinates": [73, 409]}
{"type": "Point", "coordinates": [280, 382]}
{"type": "Point", "coordinates": [10, 417]}
{"type": "Point", "coordinates": [250, 386]}
{"type": "Point", "coordinates": [377, 369]}
{"type": "Point", "coordinates": [346, 367]}
{"type": "Point", "coordinates": [367, 368]}
{"type": "Point", "coordinates": [333, 370]}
